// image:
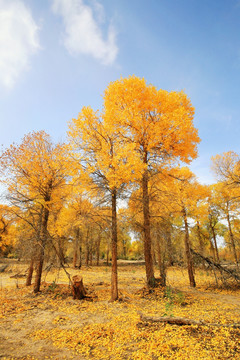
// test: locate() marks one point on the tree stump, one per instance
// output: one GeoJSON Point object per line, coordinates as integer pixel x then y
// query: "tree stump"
{"type": "Point", "coordinates": [78, 289]}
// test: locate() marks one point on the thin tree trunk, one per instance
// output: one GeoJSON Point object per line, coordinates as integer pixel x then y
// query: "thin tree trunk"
{"type": "Point", "coordinates": [232, 239]}
{"type": "Point", "coordinates": [41, 250]}
{"type": "Point", "coordinates": [201, 246]}
{"type": "Point", "coordinates": [114, 282]}
{"type": "Point", "coordinates": [30, 273]}
{"type": "Point", "coordinates": [146, 230]}
{"type": "Point", "coordinates": [187, 251]}
{"type": "Point", "coordinates": [98, 249]}
{"type": "Point", "coordinates": [169, 247]}
{"type": "Point", "coordinates": [61, 257]}
{"type": "Point", "coordinates": [87, 248]}
{"type": "Point", "coordinates": [76, 247]}
{"type": "Point", "coordinates": [80, 257]}
{"type": "Point", "coordinates": [153, 253]}
{"type": "Point", "coordinates": [91, 250]}
{"type": "Point", "coordinates": [215, 241]}
{"type": "Point", "coordinates": [161, 263]}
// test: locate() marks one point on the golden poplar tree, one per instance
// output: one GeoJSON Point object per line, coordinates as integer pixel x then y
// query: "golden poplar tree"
{"type": "Point", "coordinates": [34, 172]}
{"type": "Point", "coordinates": [160, 126]}
{"type": "Point", "coordinates": [108, 162]}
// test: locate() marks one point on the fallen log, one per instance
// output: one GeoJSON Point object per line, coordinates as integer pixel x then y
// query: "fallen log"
{"type": "Point", "coordinates": [217, 266]}
{"type": "Point", "coordinates": [183, 321]}
{"type": "Point", "coordinates": [170, 320]}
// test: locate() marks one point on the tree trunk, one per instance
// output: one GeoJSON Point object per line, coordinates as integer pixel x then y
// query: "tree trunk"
{"type": "Point", "coordinates": [98, 249]}
{"type": "Point", "coordinates": [201, 245]}
{"type": "Point", "coordinates": [76, 245]}
{"type": "Point", "coordinates": [87, 249]}
{"type": "Point", "coordinates": [169, 247]}
{"type": "Point", "coordinates": [91, 250]}
{"type": "Point", "coordinates": [114, 282]}
{"type": "Point", "coordinates": [161, 263]}
{"type": "Point", "coordinates": [39, 267]}
{"type": "Point", "coordinates": [30, 273]}
{"type": "Point", "coordinates": [187, 251]}
{"type": "Point", "coordinates": [60, 257]}
{"type": "Point", "coordinates": [42, 244]}
{"type": "Point", "coordinates": [146, 230]}
{"type": "Point", "coordinates": [232, 239]}
{"type": "Point", "coordinates": [215, 243]}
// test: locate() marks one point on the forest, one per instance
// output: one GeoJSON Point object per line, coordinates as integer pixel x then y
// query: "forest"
{"type": "Point", "coordinates": [110, 248]}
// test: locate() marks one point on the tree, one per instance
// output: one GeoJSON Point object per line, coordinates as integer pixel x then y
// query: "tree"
{"type": "Point", "coordinates": [160, 126]}
{"type": "Point", "coordinates": [34, 171]}
{"type": "Point", "coordinates": [227, 200]}
{"type": "Point", "coordinates": [7, 229]}
{"type": "Point", "coordinates": [108, 164]}
{"type": "Point", "coordinates": [227, 167]}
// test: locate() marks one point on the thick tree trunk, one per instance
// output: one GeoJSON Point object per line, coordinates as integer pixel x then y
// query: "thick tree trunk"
{"type": "Point", "coordinates": [114, 282]}
{"type": "Point", "coordinates": [146, 230]}
{"type": "Point", "coordinates": [188, 252]}
{"type": "Point", "coordinates": [39, 267]}
{"type": "Point", "coordinates": [30, 273]}
{"type": "Point", "coordinates": [232, 239]}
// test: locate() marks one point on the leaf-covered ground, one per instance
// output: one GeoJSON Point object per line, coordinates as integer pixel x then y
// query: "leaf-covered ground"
{"type": "Point", "coordinates": [51, 325]}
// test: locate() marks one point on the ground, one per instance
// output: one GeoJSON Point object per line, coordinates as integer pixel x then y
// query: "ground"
{"type": "Point", "coordinates": [51, 325]}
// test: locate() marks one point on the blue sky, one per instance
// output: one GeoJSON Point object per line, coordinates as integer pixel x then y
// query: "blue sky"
{"type": "Point", "coordinates": [57, 56]}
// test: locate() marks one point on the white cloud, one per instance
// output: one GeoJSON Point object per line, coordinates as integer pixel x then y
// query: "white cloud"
{"type": "Point", "coordinates": [82, 31]}
{"type": "Point", "coordinates": [18, 40]}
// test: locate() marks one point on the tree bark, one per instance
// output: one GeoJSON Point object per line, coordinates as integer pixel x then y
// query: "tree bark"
{"type": "Point", "coordinates": [161, 264]}
{"type": "Point", "coordinates": [146, 230]}
{"type": "Point", "coordinates": [87, 248]}
{"type": "Point", "coordinates": [114, 282]}
{"type": "Point", "coordinates": [188, 252]}
{"type": "Point", "coordinates": [169, 247]}
{"type": "Point", "coordinates": [30, 273]}
{"type": "Point", "coordinates": [42, 244]}
{"type": "Point", "coordinates": [98, 249]}
{"type": "Point", "coordinates": [214, 240]}
{"type": "Point", "coordinates": [232, 238]}
{"type": "Point", "coordinates": [201, 245]}
{"type": "Point", "coordinates": [76, 245]}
